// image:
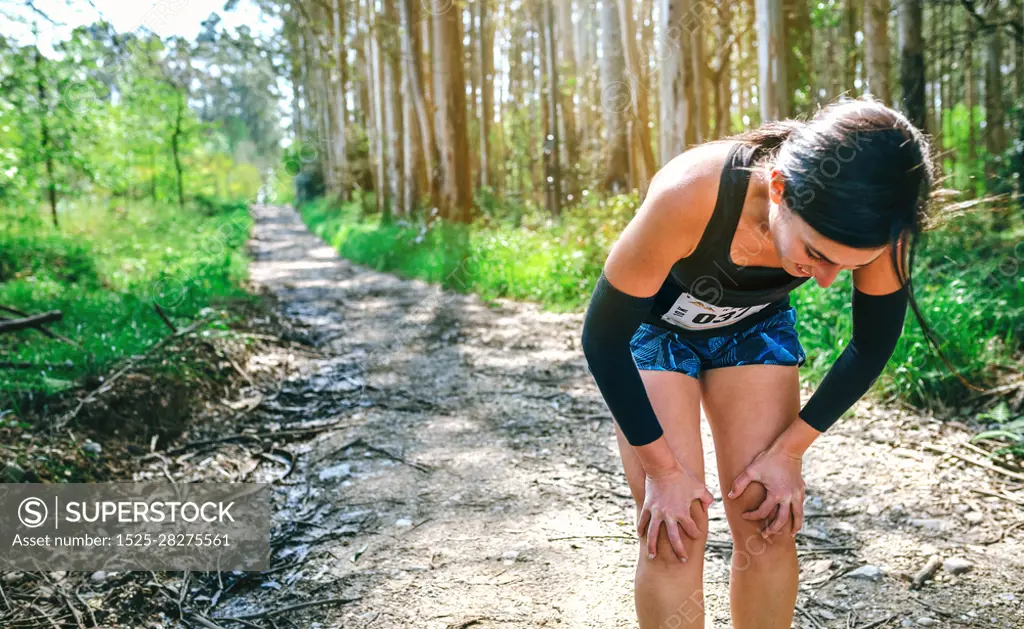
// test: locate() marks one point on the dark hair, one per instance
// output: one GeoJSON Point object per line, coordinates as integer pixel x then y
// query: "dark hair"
{"type": "Point", "coordinates": [859, 173]}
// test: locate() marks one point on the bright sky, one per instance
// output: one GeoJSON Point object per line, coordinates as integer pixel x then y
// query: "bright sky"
{"type": "Point", "coordinates": [165, 17]}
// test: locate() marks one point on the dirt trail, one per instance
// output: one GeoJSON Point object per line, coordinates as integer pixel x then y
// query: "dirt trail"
{"type": "Point", "coordinates": [481, 485]}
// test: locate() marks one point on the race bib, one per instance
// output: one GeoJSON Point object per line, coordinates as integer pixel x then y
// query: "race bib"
{"type": "Point", "coordinates": [693, 314]}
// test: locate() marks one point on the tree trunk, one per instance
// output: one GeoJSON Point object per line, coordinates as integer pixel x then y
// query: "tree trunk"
{"type": "Point", "coordinates": [485, 63]}
{"type": "Point", "coordinates": [1018, 61]}
{"type": "Point", "coordinates": [179, 114]}
{"type": "Point", "coordinates": [722, 86]}
{"type": "Point", "coordinates": [615, 100]}
{"type": "Point", "coordinates": [972, 142]}
{"type": "Point", "coordinates": [995, 133]}
{"type": "Point", "coordinates": [450, 93]}
{"type": "Point", "coordinates": [472, 70]}
{"type": "Point", "coordinates": [295, 67]}
{"type": "Point", "coordinates": [552, 173]}
{"type": "Point", "coordinates": [380, 159]}
{"type": "Point", "coordinates": [876, 48]}
{"type": "Point", "coordinates": [773, 94]}
{"type": "Point", "coordinates": [678, 128]}
{"type": "Point", "coordinates": [912, 62]}
{"type": "Point", "coordinates": [636, 79]}
{"type": "Point", "coordinates": [851, 12]}
{"type": "Point", "coordinates": [416, 103]}
{"type": "Point", "coordinates": [799, 42]}
{"type": "Point", "coordinates": [44, 137]}
{"type": "Point", "coordinates": [700, 73]}
{"type": "Point", "coordinates": [393, 109]}
{"type": "Point", "coordinates": [565, 40]}
{"type": "Point", "coordinates": [340, 109]}
{"type": "Point", "coordinates": [324, 102]}
{"type": "Point", "coordinates": [367, 97]}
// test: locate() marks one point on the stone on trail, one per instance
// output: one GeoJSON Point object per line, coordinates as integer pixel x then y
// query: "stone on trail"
{"type": "Point", "coordinates": [868, 572]}
{"type": "Point", "coordinates": [957, 565]}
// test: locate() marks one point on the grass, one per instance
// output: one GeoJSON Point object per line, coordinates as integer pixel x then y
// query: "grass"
{"type": "Point", "coordinates": [105, 271]}
{"type": "Point", "coordinates": [968, 282]}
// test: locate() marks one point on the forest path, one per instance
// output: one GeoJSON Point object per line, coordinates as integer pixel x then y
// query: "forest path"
{"type": "Point", "coordinates": [481, 483]}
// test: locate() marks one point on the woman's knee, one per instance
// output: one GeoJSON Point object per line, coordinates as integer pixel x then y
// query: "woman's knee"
{"type": "Point", "coordinates": [666, 556]}
{"type": "Point", "coordinates": [749, 545]}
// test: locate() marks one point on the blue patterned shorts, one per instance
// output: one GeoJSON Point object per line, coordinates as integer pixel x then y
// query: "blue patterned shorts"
{"type": "Point", "coordinates": [772, 341]}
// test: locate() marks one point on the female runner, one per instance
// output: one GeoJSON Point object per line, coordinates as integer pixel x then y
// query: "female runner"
{"type": "Point", "coordinates": [692, 308]}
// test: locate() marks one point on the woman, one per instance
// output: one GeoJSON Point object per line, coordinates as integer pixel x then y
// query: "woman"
{"type": "Point", "coordinates": [693, 309]}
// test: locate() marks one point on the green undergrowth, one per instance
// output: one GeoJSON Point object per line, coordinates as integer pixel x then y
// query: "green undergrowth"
{"type": "Point", "coordinates": [106, 271]}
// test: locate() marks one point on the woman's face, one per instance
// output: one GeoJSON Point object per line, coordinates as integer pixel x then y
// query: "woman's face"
{"type": "Point", "coordinates": [803, 251]}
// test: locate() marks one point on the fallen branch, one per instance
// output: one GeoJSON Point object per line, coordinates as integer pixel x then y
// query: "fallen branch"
{"type": "Point", "coordinates": [973, 461]}
{"type": "Point", "coordinates": [927, 572]}
{"type": "Point", "coordinates": [287, 608]}
{"type": "Point", "coordinates": [394, 457]}
{"type": "Point", "coordinates": [878, 623]}
{"type": "Point", "coordinates": [996, 495]}
{"type": "Point", "coordinates": [42, 329]}
{"type": "Point", "coordinates": [255, 436]}
{"type": "Point", "coordinates": [814, 620]}
{"type": "Point", "coordinates": [165, 318]}
{"type": "Point", "coordinates": [32, 321]}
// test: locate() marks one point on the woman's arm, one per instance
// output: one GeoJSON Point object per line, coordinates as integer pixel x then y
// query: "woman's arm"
{"type": "Point", "coordinates": [667, 227]}
{"type": "Point", "coordinates": [879, 309]}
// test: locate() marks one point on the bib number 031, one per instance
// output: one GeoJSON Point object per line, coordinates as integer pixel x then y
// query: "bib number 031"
{"type": "Point", "coordinates": [693, 314]}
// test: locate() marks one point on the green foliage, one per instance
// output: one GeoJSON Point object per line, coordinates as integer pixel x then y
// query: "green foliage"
{"type": "Point", "coordinates": [105, 272]}
{"type": "Point", "coordinates": [103, 117]}
{"type": "Point", "coordinates": [964, 174]}
{"type": "Point", "coordinates": [1004, 427]}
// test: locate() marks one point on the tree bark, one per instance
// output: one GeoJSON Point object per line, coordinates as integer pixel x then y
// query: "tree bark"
{"type": "Point", "coordinates": [972, 142]}
{"type": "Point", "coordinates": [912, 62]}
{"type": "Point", "coordinates": [179, 114]}
{"type": "Point", "coordinates": [552, 174]}
{"type": "Point", "coordinates": [380, 159]}
{"type": "Point", "coordinates": [773, 93]}
{"type": "Point", "coordinates": [295, 66]}
{"type": "Point", "coordinates": [44, 137]}
{"type": "Point", "coordinates": [565, 39]}
{"type": "Point", "coordinates": [636, 78]}
{"type": "Point", "coordinates": [721, 74]}
{"type": "Point", "coordinates": [339, 141]}
{"type": "Point", "coordinates": [418, 123]}
{"type": "Point", "coordinates": [678, 128]}
{"type": "Point", "coordinates": [615, 100]}
{"type": "Point", "coordinates": [485, 63]}
{"type": "Point", "coordinates": [393, 110]}
{"type": "Point", "coordinates": [450, 93]}
{"type": "Point", "coordinates": [851, 12]}
{"type": "Point", "coordinates": [995, 133]}
{"type": "Point", "coordinates": [700, 73]}
{"type": "Point", "coordinates": [876, 48]}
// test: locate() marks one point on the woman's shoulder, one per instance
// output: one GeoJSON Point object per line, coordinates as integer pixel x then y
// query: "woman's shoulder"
{"type": "Point", "coordinates": [683, 193]}
{"type": "Point", "coordinates": [671, 220]}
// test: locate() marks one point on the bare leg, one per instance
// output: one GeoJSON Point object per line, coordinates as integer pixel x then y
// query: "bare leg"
{"type": "Point", "coordinates": [667, 592]}
{"type": "Point", "coordinates": [748, 406]}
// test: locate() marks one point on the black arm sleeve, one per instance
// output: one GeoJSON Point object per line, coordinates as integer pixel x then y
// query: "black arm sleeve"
{"type": "Point", "coordinates": [877, 325]}
{"type": "Point", "coordinates": [611, 320]}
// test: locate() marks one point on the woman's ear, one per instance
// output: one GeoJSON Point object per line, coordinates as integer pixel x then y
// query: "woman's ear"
{"type": "Point", "coordinates": [776, 186]}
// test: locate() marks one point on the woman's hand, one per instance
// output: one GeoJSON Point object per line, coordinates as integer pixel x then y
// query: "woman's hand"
{"type": "Point", "coordinates": [667, 498]}
{"type": "Point", "coordinates": [779, 471]}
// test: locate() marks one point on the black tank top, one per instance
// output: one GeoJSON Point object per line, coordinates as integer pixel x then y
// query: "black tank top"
{"type": "Point", "coordinates": [705, 294]}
